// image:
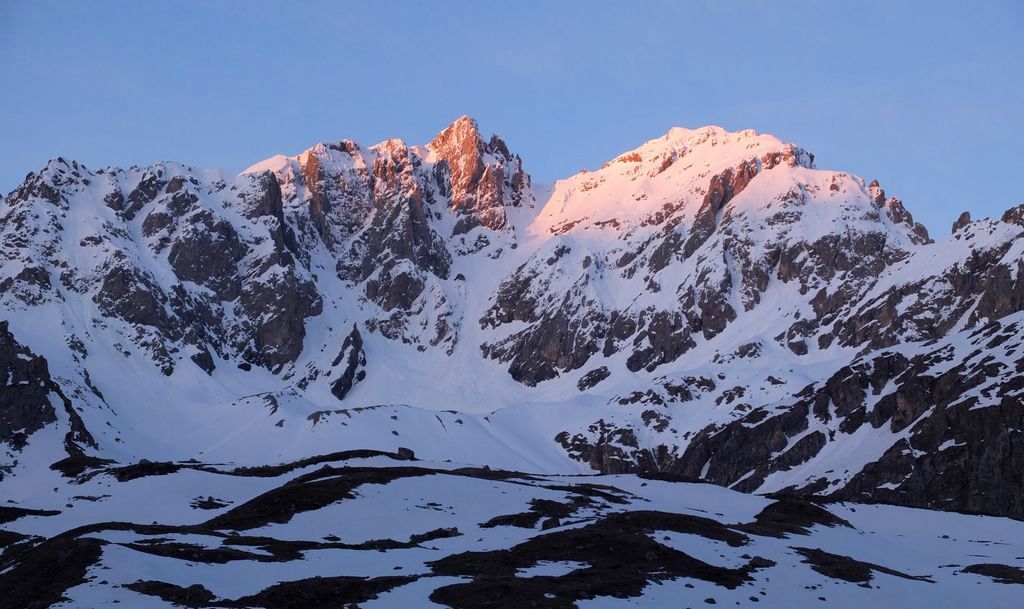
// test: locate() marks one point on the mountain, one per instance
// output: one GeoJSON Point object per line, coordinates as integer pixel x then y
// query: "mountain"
{"type": "Point", "coordinates": [707, 307]}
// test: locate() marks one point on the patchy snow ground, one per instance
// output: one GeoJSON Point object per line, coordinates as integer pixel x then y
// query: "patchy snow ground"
{"type": "Point", "coordinates": [408, 533]}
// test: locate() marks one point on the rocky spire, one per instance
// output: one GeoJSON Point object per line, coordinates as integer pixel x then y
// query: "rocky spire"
{"type": "Point", "coordinates": [481, 178]}
{"type": "Point", "coordinates": [962, 221]}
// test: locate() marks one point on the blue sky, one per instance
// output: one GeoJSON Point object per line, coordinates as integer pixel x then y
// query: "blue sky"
{"type": "Point", "coordinates": [924, 96]}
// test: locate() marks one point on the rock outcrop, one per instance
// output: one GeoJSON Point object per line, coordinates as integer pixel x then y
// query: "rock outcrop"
{"type": "Point", "coordinates": [481, 179]}
{"type": "Point", "coordinates": [350, 364]}
{"type": "Point", "coordinates": [25, 404]}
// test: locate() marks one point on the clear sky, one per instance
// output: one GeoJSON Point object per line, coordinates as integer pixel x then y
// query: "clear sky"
{"type": "Point", "coordinates": [927, 97]}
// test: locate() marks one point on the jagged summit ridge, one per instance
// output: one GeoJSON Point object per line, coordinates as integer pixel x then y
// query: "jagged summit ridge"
{"type": "Point", "coordinates": [476, 178]}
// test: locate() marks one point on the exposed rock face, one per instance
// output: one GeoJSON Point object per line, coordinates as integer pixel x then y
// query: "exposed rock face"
{"type": "Point", "coordinates": [29, 401]}
{"type": "Point", "coordinates": [129, 294]}
{"type": "Point", "coordinates": [207, 253]}
{"type": "Point", "coordinates": [555, 343]}
{"type": "Point", "coordinates": [721, 189]}
{"type": "Point", "coordinates": [1014, 215]}
{"type": "Point", "coordinates": [593, 377]}
{"type": "Point", "coordinates": [399, 228]}
{"type": "Point", "coordinates": [962, 221]}
{"type": "Point", "coordinates": [953, 416]}
{"type": "Point", "coordinates": [983, 284]}
{"type": "Point", "coordinates": [352, 360]}
{"type": "Point", "coordinates": [278, 307]}
{"type": "Point", "coordinates": [937, 459]}
{"type": "Point", "coordinates": [480, 178]}
{"type": "Point", "coordinates": [25, 405]}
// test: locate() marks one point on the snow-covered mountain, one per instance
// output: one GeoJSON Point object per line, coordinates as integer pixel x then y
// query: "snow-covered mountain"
{"type": "Point", "coordinates": [709, 306]}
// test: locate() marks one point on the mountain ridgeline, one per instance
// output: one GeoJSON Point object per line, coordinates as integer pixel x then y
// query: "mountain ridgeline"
{"type": "Point", "coordinates": [709, 305]}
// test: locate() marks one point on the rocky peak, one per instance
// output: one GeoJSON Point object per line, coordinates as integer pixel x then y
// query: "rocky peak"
{"type": "Point", "coordinates": [462, 136]}
{"type": "Point", "coordinates": [1014, 215]}
{"type": "Point", "coordinates": [893, 208]}
{"type": "Point", "coordinates": [962, 221]}
{"type": "Point", "coordinates": [333, 182]}
{"type": "Point", "coordinates": [58, 175]}
{"type": "Point", "coordinates": [480, 178]}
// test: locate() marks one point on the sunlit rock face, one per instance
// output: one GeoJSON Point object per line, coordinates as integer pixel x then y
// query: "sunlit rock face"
{"type": "Point", "coordinates": [481, 179]}
{"type": "Point", "coordinates": [710, 304]}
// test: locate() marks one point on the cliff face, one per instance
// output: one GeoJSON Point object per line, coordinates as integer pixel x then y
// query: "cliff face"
{"type": "Point", "coordinates": [709, 304]}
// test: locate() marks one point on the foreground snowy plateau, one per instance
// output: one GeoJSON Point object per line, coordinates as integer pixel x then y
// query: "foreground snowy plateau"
{"type": "Point", "coordinates": [406, 376]}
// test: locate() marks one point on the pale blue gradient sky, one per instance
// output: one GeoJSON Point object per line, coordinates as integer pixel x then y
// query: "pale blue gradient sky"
{"type": "Point", "coordinates": [924, 96]}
